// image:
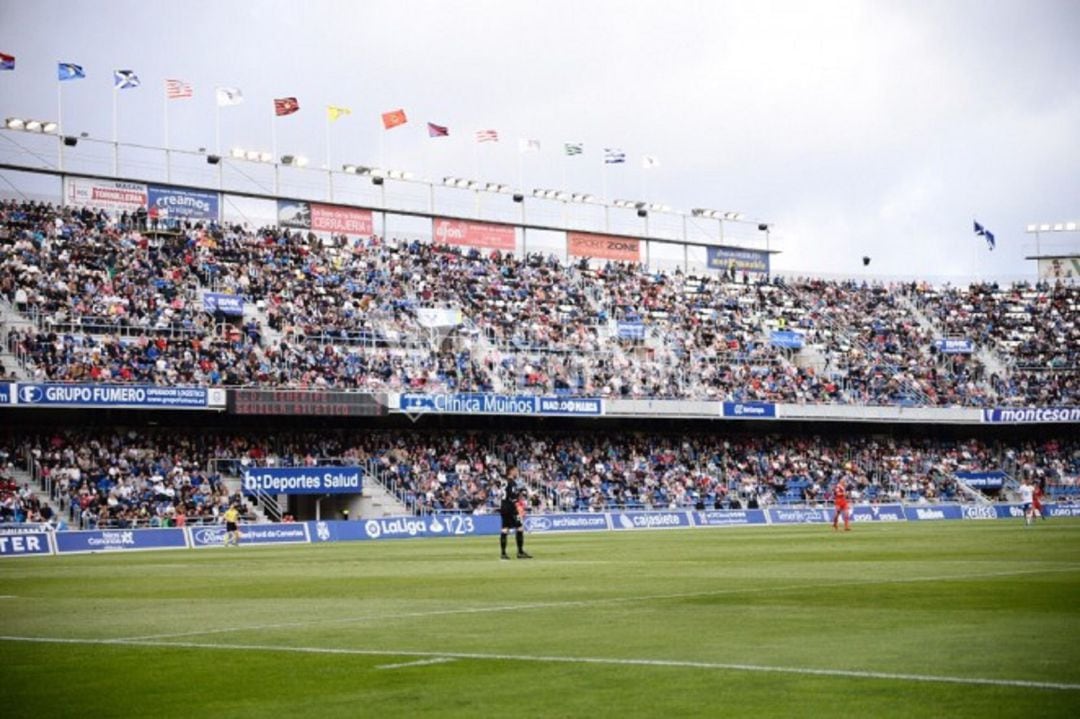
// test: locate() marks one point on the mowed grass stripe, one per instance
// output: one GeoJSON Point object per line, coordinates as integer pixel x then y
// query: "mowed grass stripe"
{"type": "Point", "coordinates": [441, 657]}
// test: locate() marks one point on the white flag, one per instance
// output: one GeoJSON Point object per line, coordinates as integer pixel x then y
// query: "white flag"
{"type": "Point", "coordinates": [528, 146]}
{"type": "Point", "coordinates": [229, 96]}
{"type": "Point", "coordinates": [648, 161]}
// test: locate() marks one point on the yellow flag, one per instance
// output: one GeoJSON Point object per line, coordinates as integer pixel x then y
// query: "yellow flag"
{"type": "Point", "coordinates": [334, 112]}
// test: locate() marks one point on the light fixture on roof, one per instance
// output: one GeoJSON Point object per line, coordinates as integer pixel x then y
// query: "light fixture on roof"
{"type": "Point", "coordinates": [44, 127]}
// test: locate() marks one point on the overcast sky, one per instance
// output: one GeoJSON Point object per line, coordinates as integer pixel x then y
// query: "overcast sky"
{"type": "Point", "coordinates": [856, 128]}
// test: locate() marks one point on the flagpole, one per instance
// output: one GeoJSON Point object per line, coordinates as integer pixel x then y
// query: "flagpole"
{"type": "Point", "coordinates": [60, 122]}
{"type": "Point", "coordinates": [329, 167]}
{"type": "Point", "coordinates": [168, 165]}
{"type": "Point", "coordinates": [116, 144]}
{"type": "Point", "coordinates": [273, 149]}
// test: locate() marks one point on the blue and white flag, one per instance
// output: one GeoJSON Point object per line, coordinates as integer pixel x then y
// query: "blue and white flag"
{"type": "Point", "coordinates": [124, 79]}
{"type": "Point", "coordinates": [69, 71]}
{"type": "Point", "coordinates": [985, 233]}
{"type": "Point", "coordinates": [614, 156]}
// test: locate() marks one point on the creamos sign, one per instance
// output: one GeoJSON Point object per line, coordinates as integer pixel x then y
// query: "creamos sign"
{"type": "Point", "coordinates": [604, 247]}
{"type": "Point", "coordinates": [474, 234]}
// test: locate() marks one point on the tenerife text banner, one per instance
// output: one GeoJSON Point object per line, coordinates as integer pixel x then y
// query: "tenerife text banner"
{"type": "Point", "coordinates": [25, 544]}
{"type": "Point", "coordinates": [303, 480]}
{"type": "Point", "coordinates": [474, 234]}
{"type": "Point", "coordinates": [603, 247]}
{"type": "Point", "coordinates": [500, 404]}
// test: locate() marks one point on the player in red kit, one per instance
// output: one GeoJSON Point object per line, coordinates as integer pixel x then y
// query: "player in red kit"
{"type": "Point", "coordinates": [842, 507]}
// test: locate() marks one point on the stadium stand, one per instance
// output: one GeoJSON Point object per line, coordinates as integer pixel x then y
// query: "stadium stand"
{"type": "Point", "coordinates": [111, 300]}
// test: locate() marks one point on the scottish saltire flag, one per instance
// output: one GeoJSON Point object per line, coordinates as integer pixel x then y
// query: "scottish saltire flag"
{"type": "Point", "coordinates": [178, 89]}
{"type": "Point", "coordinates": [228, 96]}
{"type": "Point", "coordinates": [434, 130]}
{"type": "Point", "coordinates": [7, 62]}
{"type": "Point", "coordinates": [614, 156]}
{"type": "Point", "coordinates": [991, 243]}
{"type": "Point", "coordinates": [574, 148]}
{"type": "Point", "coordinates": [69, 71]}
{"type": "Point", "coordinates": [125, 79]}
{"type": "Point", "coordinates": [528, 146]}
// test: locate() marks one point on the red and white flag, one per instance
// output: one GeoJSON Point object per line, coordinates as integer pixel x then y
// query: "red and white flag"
{"type": "Point", "coordinates": [177, 89]}
{"type": "Point", "coordinates": [286, 105]}
{"type": "Point", "coordinates": [487, 136]}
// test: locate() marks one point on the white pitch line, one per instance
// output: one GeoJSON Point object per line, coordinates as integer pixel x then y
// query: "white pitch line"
{"type": "Point", "coordinates": [418, 663]}
{"type": "Point", "coordinates": [546, 659]}
{"type": "Point", "coordinates": [584, 603]}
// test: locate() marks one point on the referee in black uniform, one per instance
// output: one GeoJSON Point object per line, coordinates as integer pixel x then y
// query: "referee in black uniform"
{"type": "Point", "coordinates": [512, 516]}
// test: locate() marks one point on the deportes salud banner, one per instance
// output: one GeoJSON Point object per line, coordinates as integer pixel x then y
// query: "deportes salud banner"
{"type": "Point", "coordinates": [303, 480]}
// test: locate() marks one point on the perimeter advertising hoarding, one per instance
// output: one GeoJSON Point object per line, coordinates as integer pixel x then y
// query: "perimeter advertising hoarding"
{"type": "Point", "coordinates": [603, 247]}
{"type": "Point", "coordinates": [877, 513]}
{"type": "Point", "coordinates": [804, 515]}
{"type": "Point", "coordinates": [722, 258]}
{"type": "Point", "coordinates": [25, 544]}
{"type": "Point", "coordinates": [279, 533]}
{"type": "Point", "coordinates": [306, 403]}
{"type": "Point", "coordinates": [475, 403]}
{"type": "Point", "coordinates": [580, 522]}
{"type": "Point", "coordinates": [463, 233]}
{"type": "Point", "coordinates": [119, 540]}
{"type": "Point", "coordinates": [729, 517]}
{"type": "Point", "coordinates": [650, 520]}
{"type": "Point", "coordinates": [406, 527]}
{"type": "Point", "coordinates": [109, 195]}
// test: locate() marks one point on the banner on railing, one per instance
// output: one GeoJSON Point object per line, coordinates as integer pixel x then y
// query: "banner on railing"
{"type": "Point", "coordinates": [786, 339]}
{"type": "Point", "coordinates": [132, 396]}
{"type": "Point", "coordinates": [737, 259]}
{"type": "Point", "coordinates": [954, 346]}
{"type": "Point", "coordinates": [303, 480]}
{"type": "Point", "coordinates": [109, 195]}
{"type": "Point", "coordinates": [229, 305]}
{"type": "Point", "coordinates": [748, 410]}
{"type": "Point", "coordinates": [982, 480]}
{"type": "Point", "coordinates": [499, 404]}
{"type": "Point", "coordinates": [1031, 415]}
{"type": "Point", "coordinates": [603, 247]}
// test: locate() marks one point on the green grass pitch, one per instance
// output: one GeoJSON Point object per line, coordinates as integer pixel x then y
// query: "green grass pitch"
{"type": "Point", "coordinates": [942, 619]}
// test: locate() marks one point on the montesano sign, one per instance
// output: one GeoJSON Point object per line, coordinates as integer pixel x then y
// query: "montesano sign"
{"type": "Point", "coordinates": [474, 234]}
{"type": "Point", "coordinates": [604, 247]}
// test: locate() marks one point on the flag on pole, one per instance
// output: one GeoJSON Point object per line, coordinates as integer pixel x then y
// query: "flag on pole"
{"type": "Point", "coordinates": [392, 119]}
{"type": "Point", "coordinates": [574, 148]}
{"type": "Point", "coordinates": [286, 106]}
{"type": "Point", "coordinates": [69, 71]}
{"type": "Point", "coordinates": [125, 79]}
{"type": "Point", "coordinates": [648, 161]}
{"type": "Point", "coordinates": [434, 130]}
{"type": "Point", "coordinates": [487, 136]}
{"type": "Point", "coordinates": [228, 96]}
{"type": "Point", "coordinates": [525, 146]}
{"type": "Point", "coordinates": [7, 62]}
{"type": "Point", "coordinates": [614, 156]}
{"type": "Point", "coordinates": [177, 89]}
{"type": "Point", "coordinates": [334, 112]}
{"type": "Point", "coordinates": [991, 243]}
